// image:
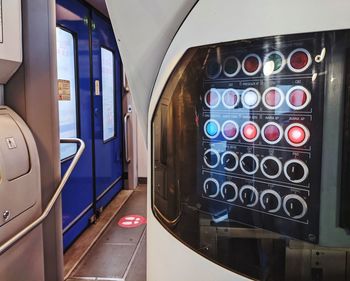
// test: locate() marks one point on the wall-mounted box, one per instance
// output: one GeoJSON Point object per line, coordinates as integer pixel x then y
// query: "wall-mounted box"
{"type": "Point", "coordinates": [10, 38]}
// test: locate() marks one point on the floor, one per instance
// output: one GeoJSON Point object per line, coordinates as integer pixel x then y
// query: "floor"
{"type": "Point", "coordinates": [119, 253]}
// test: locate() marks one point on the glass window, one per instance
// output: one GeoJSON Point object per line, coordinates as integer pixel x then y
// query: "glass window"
{"type": "Point", "coordinates": [107, 66]}
{"type": "Point", "coordinates": [246, 151]}
{"type": "Point", "coordinates": [66, 74]}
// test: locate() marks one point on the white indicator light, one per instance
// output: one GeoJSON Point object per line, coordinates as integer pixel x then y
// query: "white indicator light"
{"type": "Point", "coordinates": [250, 98]}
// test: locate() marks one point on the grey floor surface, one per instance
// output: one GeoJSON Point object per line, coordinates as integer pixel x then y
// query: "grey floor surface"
{"type": "Point", "coordinates": [120, 253]}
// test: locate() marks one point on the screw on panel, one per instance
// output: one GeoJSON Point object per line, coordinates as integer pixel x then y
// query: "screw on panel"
{"type": "Point", "coordinates": [6, 215]}
{"type": "Point", "coordinates": [93, 219]}
{"type": "Point", "coordinates": [86, 20]}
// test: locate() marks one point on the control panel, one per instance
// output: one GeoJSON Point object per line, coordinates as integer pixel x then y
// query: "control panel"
{"type": "Point", "coordinates": [260, 120]}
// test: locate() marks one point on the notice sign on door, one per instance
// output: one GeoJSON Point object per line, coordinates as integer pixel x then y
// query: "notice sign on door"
{"type": "Point", "coordinates": [1, 27]}
{"type": "Point", "coordinates": [63, 89]}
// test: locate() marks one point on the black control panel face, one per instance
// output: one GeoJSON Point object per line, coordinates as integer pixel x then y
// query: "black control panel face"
{"type": "Point", "coordinates": [237, 139]}
{"type": "Point", "coordinates": [261, 120]}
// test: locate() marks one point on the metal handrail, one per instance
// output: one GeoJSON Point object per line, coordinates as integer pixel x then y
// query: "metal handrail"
{"type": "Point", "coordinates": [13, 240]}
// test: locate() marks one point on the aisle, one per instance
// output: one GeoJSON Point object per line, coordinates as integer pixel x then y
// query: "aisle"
{"type": "Point", "coordinates": [120, 253]}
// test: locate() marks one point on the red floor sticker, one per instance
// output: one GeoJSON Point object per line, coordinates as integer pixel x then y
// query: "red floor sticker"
{"type": "Point", "coordinates": [132, 221]}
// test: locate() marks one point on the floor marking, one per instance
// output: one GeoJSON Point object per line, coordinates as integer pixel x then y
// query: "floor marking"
{"type": "Point", "coordinates": [132, 221]}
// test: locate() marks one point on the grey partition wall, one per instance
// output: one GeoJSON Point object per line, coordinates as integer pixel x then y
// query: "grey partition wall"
{"type": "Point", "coordinates": [32, 94]}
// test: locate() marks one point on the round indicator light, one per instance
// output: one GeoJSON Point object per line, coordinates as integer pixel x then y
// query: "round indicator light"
{"type": "Point", "coordinates": [250, 131]}
{"type": "Point", "coordinates": [212, 98]}
{"type": "Point", "coordinates": [274, 62]}
{"type": "Point", "coordinates": [273, 98]}
{"type": "Point", "coordinates": [298, 97]}
{"type": "Point", "coordinates": [250, 98]}
{"type": "Point", "coordinates": [211, 128]}
{"type": "Point", "coordinates": [230, 130]}
{"type": "Point", "coordinates": [213, 69]}
{"type": "Point", "coordinates": [299, 60]}
{"type": "Point", "coordinates": [230, 98]}
{"type": "Point", "coordinates": [231, 66]}
{"type": "Point", "coordinates": [251, 64]}
{"type": "Point", "coordinates": [272, 133]}
{"type": "Point", "coordinates": [297, 134]}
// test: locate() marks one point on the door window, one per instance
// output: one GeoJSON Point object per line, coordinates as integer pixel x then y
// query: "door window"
{"type": "Point", "coordinates": [67, 105]}
{"type": "Point", "coordinates": [107, 66]}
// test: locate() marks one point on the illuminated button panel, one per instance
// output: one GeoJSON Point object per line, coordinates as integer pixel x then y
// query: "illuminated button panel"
{"type": "Point", "coordinates": [261, 126]}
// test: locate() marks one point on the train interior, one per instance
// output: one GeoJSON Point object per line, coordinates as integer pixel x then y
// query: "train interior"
{"type": "Point", "coordinates": [72, 91]}
{"type": "Point", "coordinates": [174, 140]}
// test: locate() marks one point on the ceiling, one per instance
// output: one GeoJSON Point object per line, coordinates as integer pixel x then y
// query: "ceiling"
{"type": "Point", "coordinates": [99, 5]}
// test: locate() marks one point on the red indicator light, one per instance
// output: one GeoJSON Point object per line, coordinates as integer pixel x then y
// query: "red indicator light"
{"type": "Point", "coordinates": [272, 133]}
{"type": "Point", "coordinates": [299, 60]}
{"type": "Point", "coordinates": [251, 64]}
{"type": "Point", "coordinates": [230, 99]}
{"type": "Point", "coordinates": [297, 98]}
{"type": "Point", "coordinates": [296, 134]}
{"type": "Point", "coordinates": [250, 131]}
{"type": "Point", "coordinates": [230, 130]}
{"type": "Point", "coordinates": [212, 98]}
{"type": "Point", "coordinates": [273, 98]}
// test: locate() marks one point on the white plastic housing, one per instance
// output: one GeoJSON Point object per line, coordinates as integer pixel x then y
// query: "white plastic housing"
{"type": "Point", "coordinates": [10, 38]}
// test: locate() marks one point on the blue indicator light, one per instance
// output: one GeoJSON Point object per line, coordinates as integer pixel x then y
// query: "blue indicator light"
{"type": "Point", "coordinates": [212, 129]}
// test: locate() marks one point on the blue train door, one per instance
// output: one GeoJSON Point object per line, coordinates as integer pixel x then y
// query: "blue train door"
{"type": "Point", "coordinates": [107, 79]}
{"type": "Point", "coordinates": [89, 93]}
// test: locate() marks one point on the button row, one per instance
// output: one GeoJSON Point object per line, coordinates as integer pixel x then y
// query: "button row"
{"type": "Point", "coordinates": [273, 63]}
{"type": "Point", "coordinates": [271, 167]}
{"type": "Point", "coordinates": [295, 134]}
{"type": "Point", "coordinates": [297, 98]}
{"type": "Point", "coordinates": [270, 200]}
